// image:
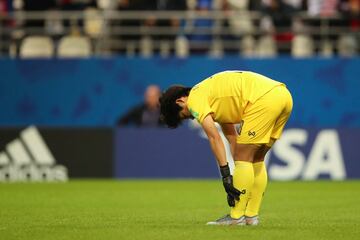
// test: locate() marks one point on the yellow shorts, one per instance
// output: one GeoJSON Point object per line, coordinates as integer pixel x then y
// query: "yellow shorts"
{"type": "Point", "coordinates": [264, 120]}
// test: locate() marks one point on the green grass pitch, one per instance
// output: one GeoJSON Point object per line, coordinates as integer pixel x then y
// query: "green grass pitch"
{"type": "Point", "coordinates": [174, 209]}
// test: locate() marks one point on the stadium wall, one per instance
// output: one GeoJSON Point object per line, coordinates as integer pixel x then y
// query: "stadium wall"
{"type": "Point", "coordinates": [95, 92]}
{"type": "Point", "coordinates": [55, 154]}
{"type": "Point", "coordinates": [74, 105]}
{"type": "Point", "coordinates": [301, 154]}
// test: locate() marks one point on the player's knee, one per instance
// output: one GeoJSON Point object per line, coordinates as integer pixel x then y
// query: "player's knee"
{"type": "Point", "coordinates": [261, 152]}
{"type": "Point", "coordinates": [246, 152]}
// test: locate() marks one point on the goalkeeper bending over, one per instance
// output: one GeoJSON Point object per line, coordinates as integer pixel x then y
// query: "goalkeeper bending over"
{"type": "Point", "coordinates": [260, 105]}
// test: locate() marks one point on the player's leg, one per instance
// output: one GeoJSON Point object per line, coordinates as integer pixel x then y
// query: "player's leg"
{"type": "Point", "coordinates": [259, 187]}
{"type": "Point", "coordinates": [260, 174]}
{"type": "Point", "coordinates": [260, 118]}
{"type": "Point", "coordinates": [243, 176]}
{"type": "Point", "coordinates": [258, 122]}
{"type": "Point", "coordinates": [243, 180]}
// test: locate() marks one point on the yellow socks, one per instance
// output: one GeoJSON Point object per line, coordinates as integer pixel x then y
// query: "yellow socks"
{"type": "Point", "coordinates": [243, 179]}
{"type": "Point", "coordinates": [252, 178]}
{"type": "Point", "coordinates": [258, 189]}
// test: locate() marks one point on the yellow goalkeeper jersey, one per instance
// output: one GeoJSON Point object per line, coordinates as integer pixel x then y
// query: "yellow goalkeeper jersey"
{"type": "Point", "coordinates": [226, 94]}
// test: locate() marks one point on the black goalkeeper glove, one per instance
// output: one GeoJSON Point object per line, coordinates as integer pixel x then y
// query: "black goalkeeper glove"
{"type": "Point", "coordinates": [232, 193]}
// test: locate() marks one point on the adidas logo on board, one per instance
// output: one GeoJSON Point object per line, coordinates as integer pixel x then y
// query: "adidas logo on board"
{"type": "Point", "coordinates": [28, 158]}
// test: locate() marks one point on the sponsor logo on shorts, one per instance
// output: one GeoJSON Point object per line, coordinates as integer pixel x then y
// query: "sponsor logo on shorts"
{"type": "Point", "coordinates": [251, 133]}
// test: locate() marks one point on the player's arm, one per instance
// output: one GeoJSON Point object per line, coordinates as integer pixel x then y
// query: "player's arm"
{"type": "Point", "coordinates": [218, 149]}
{"type": "Point", "coordinates": [230, 134]}
{"type": "Point", "coordinates": [216, 143]}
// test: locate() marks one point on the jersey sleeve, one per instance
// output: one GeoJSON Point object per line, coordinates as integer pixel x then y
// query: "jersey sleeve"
{"type": "Point", "coordinates": [198, 105]}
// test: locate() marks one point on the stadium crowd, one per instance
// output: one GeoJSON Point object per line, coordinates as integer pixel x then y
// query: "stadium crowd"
{"type": "Point", "coordinates": [264, 27]}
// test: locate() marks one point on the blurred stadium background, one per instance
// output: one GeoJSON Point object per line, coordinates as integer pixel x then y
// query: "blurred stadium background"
{"type": "Point", "coordinates": [70, 68]}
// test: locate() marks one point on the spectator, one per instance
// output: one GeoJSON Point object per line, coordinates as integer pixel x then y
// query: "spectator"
{"type": "Point", "coordinates": [354, 15]}
{"type": "Point", "coordinates": [322, 7]}
{"type": "Point", "coordinates": [169, 5]}
{"type": "Point", "coordinates": [167, 27]}
{"type": "Point", "coordinates": [351, 14]}
{"type": "Point", "coordinates": [277, 10]}
{"type": "Point", "coordinates": [292, 6]}
{"type": "Point", "coordinates": [4, 8]}
{"type": "Point", "coordinates": [273, 21]}
{"type": "Point", "coordinates": [128, 30]}
{"type": "Point", "coordinates": [201, 34]}
{"type": "Point", "coordinates": [77, 5]}
{"type": "Point", "coordinates": [146, 114]}
{"type": "Point", "coordinates": [241, 22]}
{"type": "Point", "coordinates": [128, 5]}
{"type": "Point", "coordinates": [278, 19]}
{"type": "Point", "coordinates": [38, 5]}
{"type": "Point", "coordinates": [3, 14]}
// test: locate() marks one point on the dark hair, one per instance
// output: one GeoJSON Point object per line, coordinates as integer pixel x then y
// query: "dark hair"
{"type": "Point", "coordinates": [169, 109]}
